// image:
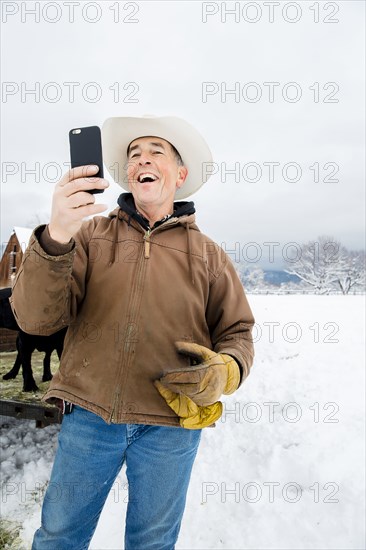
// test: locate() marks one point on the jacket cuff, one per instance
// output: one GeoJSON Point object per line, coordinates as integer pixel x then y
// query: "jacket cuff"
{"type": "Point", "coordinates": [49, 245]}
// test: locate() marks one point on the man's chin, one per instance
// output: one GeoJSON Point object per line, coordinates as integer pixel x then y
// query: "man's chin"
{"type": "Point", "coordinates": [149, 195]}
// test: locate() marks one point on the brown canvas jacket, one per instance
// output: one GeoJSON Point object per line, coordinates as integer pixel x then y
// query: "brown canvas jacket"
{"type": "Point", "coordinates": [127, 295]}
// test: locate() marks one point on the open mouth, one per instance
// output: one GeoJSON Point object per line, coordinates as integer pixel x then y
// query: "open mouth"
{"type": "Point", "coordinates": [147, 178]}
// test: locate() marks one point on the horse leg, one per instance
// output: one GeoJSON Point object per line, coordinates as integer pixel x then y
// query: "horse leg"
{"type": "Point", "coordinates": [13, 373]}
{"type": "Point", "coordinates": [47, 375]}
{"type": "Point", "coordinates": [29, 383]}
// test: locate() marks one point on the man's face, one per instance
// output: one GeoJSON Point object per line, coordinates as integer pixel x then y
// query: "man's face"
{"type": "Point", "coordinates": [153, 172]}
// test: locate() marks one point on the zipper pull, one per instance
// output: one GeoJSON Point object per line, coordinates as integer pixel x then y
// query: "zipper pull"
{"type": "Point", "coordinates": [147, 243]}
{"type": "Point", "coordinates": [116, 398]}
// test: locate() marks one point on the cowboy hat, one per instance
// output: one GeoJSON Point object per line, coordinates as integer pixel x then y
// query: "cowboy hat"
{"type": "Point", "coordinates": [118, 132]}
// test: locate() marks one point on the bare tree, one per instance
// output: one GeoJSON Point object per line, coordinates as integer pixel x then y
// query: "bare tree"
{"type": "Point", "coordinates": [350, 272]}
{"type": "Point", "coordinates": [316, 263]}
{"type": "Point", "coordinates": [325, 265]}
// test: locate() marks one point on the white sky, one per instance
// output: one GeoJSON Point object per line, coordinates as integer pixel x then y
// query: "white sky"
{"type": "Point", "coordinates": [169, 52]}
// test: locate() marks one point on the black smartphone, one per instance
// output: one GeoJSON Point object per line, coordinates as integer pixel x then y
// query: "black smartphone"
{"type": "Point", "coordinates": [86, 148]}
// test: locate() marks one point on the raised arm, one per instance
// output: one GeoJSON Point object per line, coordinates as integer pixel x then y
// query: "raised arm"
{"type": "Point", "coordinates": [50, 282]}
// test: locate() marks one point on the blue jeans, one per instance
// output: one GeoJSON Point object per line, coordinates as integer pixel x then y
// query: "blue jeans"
{"type": "Point", "coordinates": [89, 456]}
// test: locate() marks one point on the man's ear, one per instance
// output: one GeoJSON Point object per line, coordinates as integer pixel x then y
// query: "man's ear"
{"type": "Point", "coordinates": [182, 176]}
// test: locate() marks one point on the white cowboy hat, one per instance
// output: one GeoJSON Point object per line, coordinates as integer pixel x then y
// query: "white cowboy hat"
{"type": "Point", "coordinates": [118, 132]}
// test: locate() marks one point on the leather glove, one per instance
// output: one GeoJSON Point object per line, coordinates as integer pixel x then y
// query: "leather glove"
{"type": "Point", "coordinates": [205, 382]}
{"type": "Point", "coordinates": [214, 375]}
{"type": "Point", "coordinates": [219, 373]}
{"type": "Point", "coordinates": [191, 416]}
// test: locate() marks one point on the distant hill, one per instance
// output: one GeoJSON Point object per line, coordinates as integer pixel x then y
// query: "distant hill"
{"type": "Point", "coordinates": [276, 277]}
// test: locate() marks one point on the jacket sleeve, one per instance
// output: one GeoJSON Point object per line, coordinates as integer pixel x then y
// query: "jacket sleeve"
{"type": "Point", "coordinates": [230, 318]}
{"type": "Point", "coordinates": [49, 286]}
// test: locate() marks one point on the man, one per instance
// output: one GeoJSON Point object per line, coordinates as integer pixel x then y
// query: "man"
{"type": "Point", "coordinates": [159, 329]}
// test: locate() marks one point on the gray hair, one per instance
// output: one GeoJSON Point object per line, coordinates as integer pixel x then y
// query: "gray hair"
{"type": "Point", "coordinates": [178, 158]}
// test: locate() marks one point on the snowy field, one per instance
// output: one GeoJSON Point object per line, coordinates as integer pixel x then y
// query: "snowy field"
{"type": "Point", "coordinates": [283, 469]}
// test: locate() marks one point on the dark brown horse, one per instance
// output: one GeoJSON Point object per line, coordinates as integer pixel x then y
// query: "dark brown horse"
{"type": "Point", "coordinates": [27, 344]}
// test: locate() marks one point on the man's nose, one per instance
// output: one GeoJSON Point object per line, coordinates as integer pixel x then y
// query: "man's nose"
{"type": "Point", "coordinates": [144, 159]}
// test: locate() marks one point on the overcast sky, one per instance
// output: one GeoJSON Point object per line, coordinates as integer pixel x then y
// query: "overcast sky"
{"type": "Point", "coordinates": [178, 58]}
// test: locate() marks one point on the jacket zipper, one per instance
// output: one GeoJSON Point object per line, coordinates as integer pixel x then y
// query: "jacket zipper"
{"type": "Point", "coordinates": [148, 232]}
{"type": "Point", "coordinates": [117, 394]}
{"type": "Point", "coordinates": [146, 238]}
{"type": "Point", "coordinates": [147, 243]}
{"type": "Point", "coordinates": [114, 405]}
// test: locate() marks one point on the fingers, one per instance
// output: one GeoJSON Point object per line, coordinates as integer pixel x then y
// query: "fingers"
{"type": "Point", "coordinates": [164, 392]}
{"type": "Point", "coordinates": [190, 382]}
{"type": "Point", "coordinates": [187, 389]}
{"type": "Point", "coordinates": [193, 376]}
{"type": "Point", "coordinates": [180, 386]}
{"type": "Point", "coordinates": [200, 396]}
{"type": "Point", "coordinates": [182, 405]}
{"type": "Point", "coordinates": [192, 416]}
{"type": "Point", "coordinates": [81, 204]}
{"type": "Point", "coordinates": [200, 353]}
{"type": "Point", "coordinates": [71, 202]}
{"type": "Point", "coordinates": [81, 179]}
{"type": "Point", "coordinates": [88, 170]}
{"type": "Point", "coordinates": [82, 198]}
{"type": "Point", "coordinates": [84, 184]}
{"type": "Point", "coordinates": [81, 212]}
{"type": "Point", "coordinates": [205, 417]}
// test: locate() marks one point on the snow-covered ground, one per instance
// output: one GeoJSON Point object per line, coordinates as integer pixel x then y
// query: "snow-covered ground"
{"type": "Point", "coordinates": [283, 469]}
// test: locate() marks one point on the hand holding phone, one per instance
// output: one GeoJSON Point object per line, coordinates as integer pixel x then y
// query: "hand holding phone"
{"type": "Point", "coordinates": [73, 197]}
{"type": "Point", "coordinates": [72, 202]}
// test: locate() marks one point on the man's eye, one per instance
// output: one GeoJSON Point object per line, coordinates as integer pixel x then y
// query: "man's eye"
{"type": "Point", "coordinates": [134, 155]}
{"type": "Point", "coordinates": [158, 153]}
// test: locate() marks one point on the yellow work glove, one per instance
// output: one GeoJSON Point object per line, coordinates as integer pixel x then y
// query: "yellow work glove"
{"type": "Point", "coordinates": [211, 376]}
{"type": "Point", "coordinates": [191, 416]}
{"type": "Point", "coordinates": [193, 393]}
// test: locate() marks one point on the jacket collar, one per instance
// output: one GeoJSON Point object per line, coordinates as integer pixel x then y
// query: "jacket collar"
{"type": "Point", "coordinates": [126, 203]}
{"type": "Point", "coordinates": [184, 214]}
